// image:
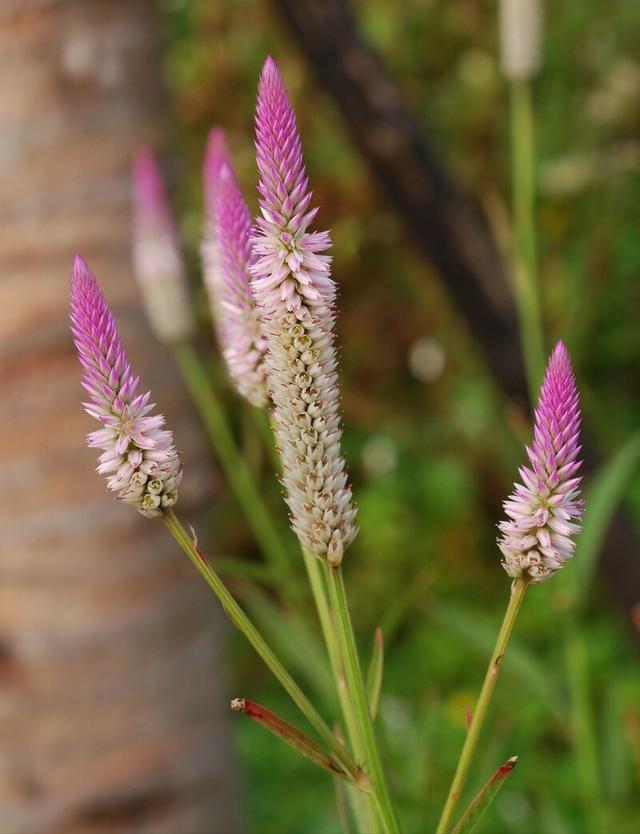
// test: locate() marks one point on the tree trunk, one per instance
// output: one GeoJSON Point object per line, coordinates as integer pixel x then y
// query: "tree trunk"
{"type": "Point", "coordinates": [113, 716]}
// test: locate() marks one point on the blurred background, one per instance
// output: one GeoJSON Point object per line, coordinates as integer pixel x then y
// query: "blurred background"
{"type": "Point", "coordinates": [113, 683]}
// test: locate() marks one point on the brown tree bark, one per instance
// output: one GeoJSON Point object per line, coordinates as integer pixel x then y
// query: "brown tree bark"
{"type": "Point", "coordinates": [439, 219]}
{"type": "Point", "coordinates": [113, 713]}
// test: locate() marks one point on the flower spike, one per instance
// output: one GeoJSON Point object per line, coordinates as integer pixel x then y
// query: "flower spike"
{"type": "Point", "coordinates": [243, 345]}
{"type": "Point", "coordinates": [157, 259]}
{"type": "Point", "coordinates": [295, 297]}
{"type": "Point", "coordinates": [536, 541]}
{"type": "Point", "coordinates": [139, 458]}
{"type": "Point", "coordinates": [216, 156]}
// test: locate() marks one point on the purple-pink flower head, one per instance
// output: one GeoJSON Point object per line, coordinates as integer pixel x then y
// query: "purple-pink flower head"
{"type": "Point", "coordinates": [543, 509]}
{"type": "Point", "coordinates": [216, 156]}
{"type": "Point", "coordinates": [295, 296]}
{"type": "Point", "coordinates": [157, 259]}
{"type": "Point", "coordinates": [139, 459]}
{"type": "Point", "coordinates": [243, 344]}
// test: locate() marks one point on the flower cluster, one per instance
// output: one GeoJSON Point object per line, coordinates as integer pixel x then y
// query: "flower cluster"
{"type": "Point", "coordinates": [139, 458]}
{"type": "Point", "coordinates": [227, 259]}
{"type": "Point", "coordinates": [216, 156]}
{"type": "Point", "coordinates": [295, 298]}
{"type": "Point", "coordinates": [536, 542]}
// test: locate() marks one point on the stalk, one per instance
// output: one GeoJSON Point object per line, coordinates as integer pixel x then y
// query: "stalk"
{"type": "Point", "coordinates": [366, 816]}
{"type": "Point", "coordinates": [366, 746]}
{"type": "Point", "coordinates": [525, 258]}
{"type": "Point", "coordinates": [518, 590]}
{"type": "Point", "coordinates": [242, 622]}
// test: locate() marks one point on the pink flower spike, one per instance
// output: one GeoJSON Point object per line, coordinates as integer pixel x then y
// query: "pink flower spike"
{"type": "Point", "coordinates": [139, 458]}
{"type": "Point", "coordinates": [295, 298]}
{"type": "Point", "coordinates": [536, 541]}
{"type": "Point", "coordinates": [157, 259]}
{"type": "Point", "coordinates": [216, 156]}
{"type": "Point", "coordinates": [243, 345]}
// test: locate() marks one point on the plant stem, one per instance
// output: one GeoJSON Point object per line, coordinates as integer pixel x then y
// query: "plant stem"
{"type": "Point", "coordinates": [242, 622]}
{"type": "Point", "coordinates": [365, 817]}
{"type": "Point", "coordinates": [518, 590]}
{"type": "Point", "coordinates": [233, 463]}
{"type": "Point", "coordinates": [525, 259]}
{"type": "Point", "coordinates": [366, 744]}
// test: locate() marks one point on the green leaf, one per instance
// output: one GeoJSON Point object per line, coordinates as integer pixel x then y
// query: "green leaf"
{"type": "Point", "coordinates": [479, 805]}
{"type": "Point", "coordinates": [601, 501]}
{"type": "Point", "coordinates": [374, 673]}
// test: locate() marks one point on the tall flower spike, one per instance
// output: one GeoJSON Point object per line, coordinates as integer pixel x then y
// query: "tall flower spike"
{"type": "Point", "coordinates": [243, 345]}
{"type": "Point", "coordinates": [536, 542]}
{"type": "Point", "coordinates": [139, 458]}
{"type": "Point", "coordinates": [520, 37]}
{"type": "Point", "coordinates": [295, 296]}
{"type": "Point", "coordinates": [216, 156]}
{"type": "Point", "coordinates": [157, 259]}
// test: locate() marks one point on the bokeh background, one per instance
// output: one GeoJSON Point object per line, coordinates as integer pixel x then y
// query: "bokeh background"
{"type": "Point", "coordinates": [433, 440]}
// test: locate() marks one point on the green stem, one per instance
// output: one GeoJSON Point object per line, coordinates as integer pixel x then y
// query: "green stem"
{"type": "Point", "coordinates": [233, 463]}
{"type": "Point", "coordinates": [525, 258]}
{"type": "Point", "coordinates": [291, 636]}
{"type": "Point", "coordinates": [242, 622]}
{"type": "Point", "coordinates": [366, 746]}
{"type": "Point", "coordinates": [518, 590]}
{"type": "Point", "coordinates": [583, 729]}
{"type": "Point", "coordinates": [365, 817]}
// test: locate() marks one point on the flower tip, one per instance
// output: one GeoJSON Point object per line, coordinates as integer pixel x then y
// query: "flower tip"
{"type": "Point", "coordinates": [271, 75]}
{"type": "Point", "coordinates": [560, 361]}
{"type": "Point", "coordinates": [217, 153]}
{"type": "Point", "coordinates": [148, 188]}
{"type": "Point", "coordinates": [269, 66]}
{"type": "Point", "coordinates": [80, 271]}
{"type": "Point", "coordinates": [142, 156]}
{"type": "Point", "coordinates": [560, 349]}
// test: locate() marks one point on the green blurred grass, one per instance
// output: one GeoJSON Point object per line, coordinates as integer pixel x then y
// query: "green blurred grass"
{"type": "Point", "coordinates": [432, 454]}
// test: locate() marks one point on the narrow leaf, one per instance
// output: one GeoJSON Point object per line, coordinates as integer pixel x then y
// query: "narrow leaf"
{"type": "Point", "coordinates": [472, 815]}
{"type": "Point", "coordinates": [601, 501]}
{"type": "Point", "coordinates": [289, 734]}
{"type": "Point", "coordinates": [374, 673]}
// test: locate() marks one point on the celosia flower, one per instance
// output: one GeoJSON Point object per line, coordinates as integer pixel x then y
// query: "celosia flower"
{"type": "Point", "coordinates": [216, 156]}
{"type": "Point", "coordinates": [536, 542]}
{"type": "Point", "coordinates": [243, 345]}
{"type": "Point", "coordinates": [157, 259]}
{"type": "Point", "coordinates": [295, 297]}
{"type": "Point", "coordinates": [139, 458]}
{"type": "Point", "coordinates": [520, 35]}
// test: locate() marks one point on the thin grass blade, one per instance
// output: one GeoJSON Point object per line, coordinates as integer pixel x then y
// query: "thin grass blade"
{"type": "Point", "coordinates": [375, 673]}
